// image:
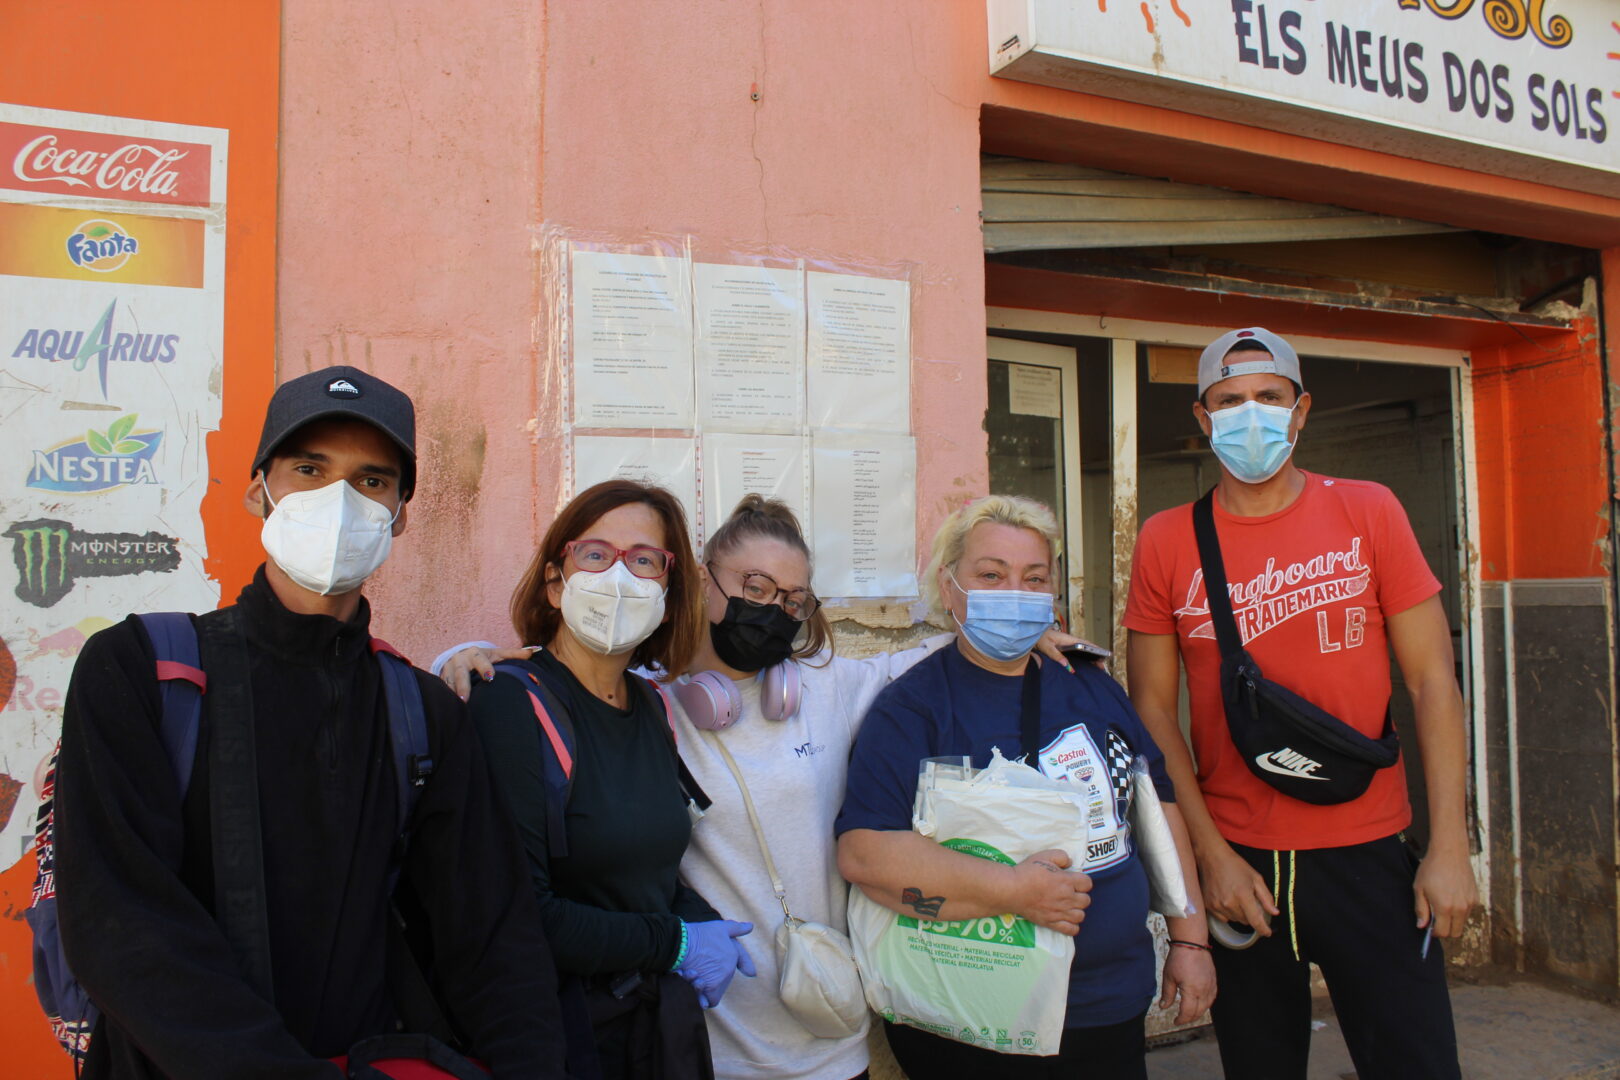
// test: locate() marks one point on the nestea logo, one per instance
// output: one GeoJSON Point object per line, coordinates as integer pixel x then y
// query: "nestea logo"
{"type": "Point", "coordinates": [98, 461]}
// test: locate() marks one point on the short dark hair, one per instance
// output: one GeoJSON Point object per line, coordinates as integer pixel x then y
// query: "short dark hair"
{"type": "Point", "coordinates": [1250, 345]}
{"type": "Point", "coordinates": [289, 443]}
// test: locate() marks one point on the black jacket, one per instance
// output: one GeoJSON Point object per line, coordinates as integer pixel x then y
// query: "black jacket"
{"type": "Point", "coordinates": [135, 879]}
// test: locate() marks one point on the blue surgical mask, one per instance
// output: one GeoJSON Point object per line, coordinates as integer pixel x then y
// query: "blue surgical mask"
{"type": "Point", "coordinates": [1005, 624]}
{"type": "Point", "coordinates": [1251, 439]}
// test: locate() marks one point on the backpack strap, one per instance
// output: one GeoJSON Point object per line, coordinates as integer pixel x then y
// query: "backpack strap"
{"type": "Point", "coordinates": [557, 731]}
{"type": "Point", "coordinates": [407, 731]}
{"type": "Point", "coordinates": [181, 685]}
{"type": "Point", "coordinates": [240, 905]}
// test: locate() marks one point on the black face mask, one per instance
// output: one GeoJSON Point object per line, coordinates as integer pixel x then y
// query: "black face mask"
{"type": "Point", "coordinates": [752, 637]}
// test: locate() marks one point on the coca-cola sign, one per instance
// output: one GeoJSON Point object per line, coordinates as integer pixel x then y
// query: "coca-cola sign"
{"type": "Point", "coordinates": [96, 165]}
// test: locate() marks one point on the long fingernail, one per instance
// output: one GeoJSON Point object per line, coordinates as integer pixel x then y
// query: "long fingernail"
{"type": "Point", "coordinates": [488, 675]}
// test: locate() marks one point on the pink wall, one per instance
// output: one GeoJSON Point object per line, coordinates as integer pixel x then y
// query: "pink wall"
{"type": "Point", "coordinates": [629, 116]}
{"type": "Point", "coordinates": [411, 171]}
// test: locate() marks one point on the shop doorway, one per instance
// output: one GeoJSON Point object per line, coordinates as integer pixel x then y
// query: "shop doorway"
{"type": "Point", "coordinates": [1116, 442]}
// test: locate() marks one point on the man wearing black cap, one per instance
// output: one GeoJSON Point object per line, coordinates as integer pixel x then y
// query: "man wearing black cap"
{"type": "Point", "coordinates": [335, 468]}
{"type": "Point", "coordinates": [1297, 836]}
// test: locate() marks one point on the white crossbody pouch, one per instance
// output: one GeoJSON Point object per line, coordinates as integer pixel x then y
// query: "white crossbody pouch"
{"type": "Point", "coordinates": [819, 982]}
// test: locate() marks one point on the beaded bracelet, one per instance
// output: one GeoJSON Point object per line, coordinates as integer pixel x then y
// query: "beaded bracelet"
{"type": "Point", "coordinates": [680, 957]}
{"type": "Point", "coordinates": [1189, 945]}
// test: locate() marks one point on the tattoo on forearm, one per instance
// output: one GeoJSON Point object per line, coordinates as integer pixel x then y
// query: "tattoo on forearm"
{"type": "Point", "coordinates": [926, 906]}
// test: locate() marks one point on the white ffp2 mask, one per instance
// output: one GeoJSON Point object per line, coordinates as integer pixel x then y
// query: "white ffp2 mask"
{"type": "Point", "coordinates": [614, 611]}
{"type": "Point", "coordinates": [328, 540]}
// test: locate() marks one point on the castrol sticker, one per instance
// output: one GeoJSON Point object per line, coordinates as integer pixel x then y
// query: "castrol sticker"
{"type": "Point", "coordinates": [1073, 757]}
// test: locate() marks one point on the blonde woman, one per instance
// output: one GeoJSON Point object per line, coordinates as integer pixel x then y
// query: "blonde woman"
{"type": "Point", "coordinates": [991, 575]}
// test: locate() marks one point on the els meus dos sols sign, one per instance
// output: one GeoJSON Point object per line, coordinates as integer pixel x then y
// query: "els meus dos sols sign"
{"type": "Point", "coordinates": [1527, 88]}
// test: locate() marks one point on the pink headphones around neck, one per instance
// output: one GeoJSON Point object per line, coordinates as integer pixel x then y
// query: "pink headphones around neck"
{"type": "Point", "coordinates": [712, 702]}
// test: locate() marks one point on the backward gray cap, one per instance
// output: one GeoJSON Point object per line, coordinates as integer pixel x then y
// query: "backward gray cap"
{"type": "Point", "coordinates": [1283, 361]}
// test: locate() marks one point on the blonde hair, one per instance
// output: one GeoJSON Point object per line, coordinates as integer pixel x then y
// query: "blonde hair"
{"type": "Point", "coordinates": [951, 539]}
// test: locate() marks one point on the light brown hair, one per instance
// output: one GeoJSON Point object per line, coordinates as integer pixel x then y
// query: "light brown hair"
{"type": "Point", "coordinates": [672, 646]}
{"type": "Point", "coordinates": [772, 519]}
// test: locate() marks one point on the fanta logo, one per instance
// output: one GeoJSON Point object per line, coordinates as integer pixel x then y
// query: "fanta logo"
{"type": "Point", "coordinates": [98, 461]}
{"type": "Point", "coordinates": [100, 343]}
{"type": "Point", "coordinates": [102, 246]}
{"type": "Point", "coordinates": [342, 388]}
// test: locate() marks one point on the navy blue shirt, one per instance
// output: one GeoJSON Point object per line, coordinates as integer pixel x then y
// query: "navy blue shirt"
{"type": "Point", "coordinates": [948, 706]}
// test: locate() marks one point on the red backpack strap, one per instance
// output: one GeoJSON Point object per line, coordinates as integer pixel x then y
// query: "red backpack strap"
{"type": "Point", "coordinates": [553, 736]}
{"type": "Point", "coordinates": [172, 670]}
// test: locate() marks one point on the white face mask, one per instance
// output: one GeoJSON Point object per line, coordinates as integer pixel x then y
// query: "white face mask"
{"type": "Point", "coordinates": [614, 611]}
{"type": "Point", "coordinates": [328, 540]}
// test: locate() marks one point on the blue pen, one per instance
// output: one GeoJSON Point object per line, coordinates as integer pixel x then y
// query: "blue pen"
{"type": "Point", "coordinates": [1428, 935]}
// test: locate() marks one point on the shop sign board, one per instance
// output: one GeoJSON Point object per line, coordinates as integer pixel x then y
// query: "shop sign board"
{"type": "Point", "coordinates": [112, 274]}
{"type": "Point", "coordinates": [1524, 87]}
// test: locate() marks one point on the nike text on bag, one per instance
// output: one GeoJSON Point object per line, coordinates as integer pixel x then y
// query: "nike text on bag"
{"type": "Point", "coordinates": [182, 682]}
{"type": "Point", "coordinates": [1298, 748]}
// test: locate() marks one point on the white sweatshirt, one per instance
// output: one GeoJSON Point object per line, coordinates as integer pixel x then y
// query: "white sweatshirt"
{"type": "Point", "coordinates": [795, 773]}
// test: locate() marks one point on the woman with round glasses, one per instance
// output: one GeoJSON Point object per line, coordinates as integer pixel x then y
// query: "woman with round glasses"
{"type": "Point", "coordinates": [762, 613]}
{"type": "Point", "coordinates": [613, 585]}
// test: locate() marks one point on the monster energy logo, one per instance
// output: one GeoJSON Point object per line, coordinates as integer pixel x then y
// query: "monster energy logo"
{"type": "Point", "coordinates": [51, 555]}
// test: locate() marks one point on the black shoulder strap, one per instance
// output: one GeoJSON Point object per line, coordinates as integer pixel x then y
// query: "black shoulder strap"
{"type": "Point", "coordinates": [233, 791]}
{"type": "Point", "coordinates": [407, 729]}
{"type": "Point", "coordinates": [1215, 594]}
{"type": "Point", "coordinates": [1029, 718]}
{"type": "Point", "coordinates": [660, 704]}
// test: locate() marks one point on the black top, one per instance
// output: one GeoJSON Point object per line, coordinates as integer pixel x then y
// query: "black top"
{"type": "Point", "coordinates": [613, 903]}
{"type": "Point", "coordinates": [132, 864]}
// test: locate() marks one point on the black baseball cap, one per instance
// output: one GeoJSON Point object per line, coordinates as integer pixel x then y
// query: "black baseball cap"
{"type": "Point", "coordinates": [340, 391]}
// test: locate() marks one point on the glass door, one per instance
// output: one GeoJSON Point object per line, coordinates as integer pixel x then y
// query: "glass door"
{"type": "Point", "coordinates": [1033, 424]}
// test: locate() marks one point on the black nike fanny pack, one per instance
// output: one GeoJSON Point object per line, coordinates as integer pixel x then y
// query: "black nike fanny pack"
{"type": "Point", "coordinates": [1299, 748]}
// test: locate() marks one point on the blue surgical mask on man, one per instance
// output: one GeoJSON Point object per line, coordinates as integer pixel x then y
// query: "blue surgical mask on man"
{"type": "Point", "coordinates": [1252, 440]}
{"type": "Point", "coordinates": [1004, 624]}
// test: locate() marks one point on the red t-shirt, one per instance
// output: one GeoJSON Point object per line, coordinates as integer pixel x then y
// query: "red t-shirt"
{"type": "Point", "coordinates": [1311, 586]}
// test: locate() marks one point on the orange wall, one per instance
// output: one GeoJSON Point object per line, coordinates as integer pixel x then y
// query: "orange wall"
{"type": "Point", "coordinates": [1539, 428]}
{"type": "Point", "coordinates": [184, 62]}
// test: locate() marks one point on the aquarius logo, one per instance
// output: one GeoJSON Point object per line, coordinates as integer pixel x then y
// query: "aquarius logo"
{"type": "Point", "coordinates": [98, 461]}
{"type": "Point", "coordinates": [100, 245]}
{"type": "Point", "coordinates": [99, 343]}
{"type": "Point", "coordinates": [52, 555]}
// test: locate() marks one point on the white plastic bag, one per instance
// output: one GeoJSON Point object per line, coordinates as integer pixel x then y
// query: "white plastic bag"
{"type": "Point", "coordinates": [1000, 982]}
{"type": "Point", "coordinates": [1156, 846]}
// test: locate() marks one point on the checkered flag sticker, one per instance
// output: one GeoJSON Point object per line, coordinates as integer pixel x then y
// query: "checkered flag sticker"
{"type": "Point", "coordinates": [1119, 772]}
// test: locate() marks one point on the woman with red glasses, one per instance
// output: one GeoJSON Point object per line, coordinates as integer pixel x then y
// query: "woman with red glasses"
{"type": "Point", "coordinates": [613, 586]}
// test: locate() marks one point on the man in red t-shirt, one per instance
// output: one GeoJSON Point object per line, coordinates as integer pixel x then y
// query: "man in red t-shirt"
{"type": "Point", "coordinates": [1324, 577]}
